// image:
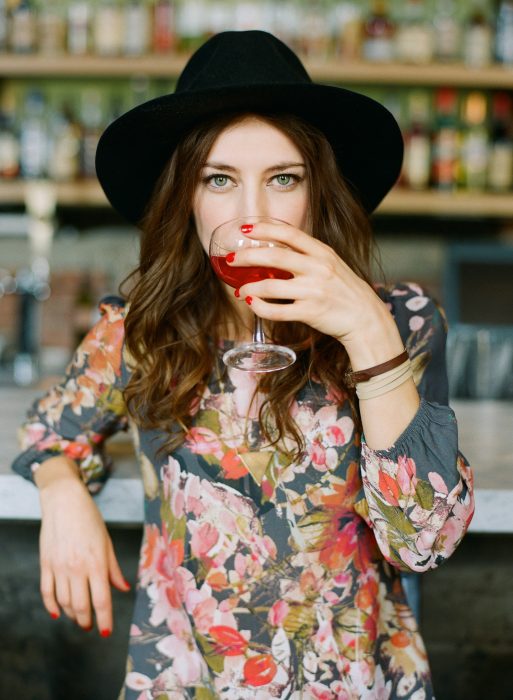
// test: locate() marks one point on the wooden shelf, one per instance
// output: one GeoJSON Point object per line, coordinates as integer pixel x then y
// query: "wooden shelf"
{"type": "Point", "coordinates": [169, 66]}
{"type": "Point", "coordinates": [88, 193]}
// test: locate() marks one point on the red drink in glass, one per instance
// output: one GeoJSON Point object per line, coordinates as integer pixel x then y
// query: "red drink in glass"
{"type": "Point", "coordinates": [237, 276]}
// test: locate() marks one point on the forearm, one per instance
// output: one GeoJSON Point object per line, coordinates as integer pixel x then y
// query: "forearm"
{"type": "Point", "coordinates": [56, 469]}
{"type": "Point", "coordinates": [384, 417]}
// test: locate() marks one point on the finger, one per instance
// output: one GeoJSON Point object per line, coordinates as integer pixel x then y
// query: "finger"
{"type": "Point", "coordinates": [278, 312]}
{"type": "Point", "coordinates": [81, 602]}
{"type": "Point", "coordinates": [289, 235]}
{"type": "Point", "coordinates": [47, 587]}
{"type": "Point", "coordinates": [102, 601]}
{"type": "Point", "coordinates": [275, 289]}
{"type": "Point", "coordinates": [62, 589]}
{"type": "Point", "coordinates": [115, 574]}
{"type": "Point", "coordinates": [280, 258]}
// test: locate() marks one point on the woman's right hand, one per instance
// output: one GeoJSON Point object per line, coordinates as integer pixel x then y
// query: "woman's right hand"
{"type": "Point", "coordinates": [77, 557]}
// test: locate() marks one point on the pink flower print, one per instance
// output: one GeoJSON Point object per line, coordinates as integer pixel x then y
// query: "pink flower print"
{"type": "Point", "coordinates": [244, 386]}
{"type": "Point", "coordinates": [416, 322]}
{"type": "Point", "coordinates": [417, 303]}
{"type": "Point", "coordinates": [406, 475]}
{"type": "Point", "coordinates": [318, 455]}
{"type": "Point", "coordinates": [204, 441]}
{"type": "Point", "coordinates": [178, 623]}
{"type": "Point", "coordinates": [170, 475]}
{"type": "Point", "coordinates": [324, 640]}
{"type": "Point", "coordinates": [318, 691]}
{"type": "Point", "coordinates": [135, 631]}
{"type": "Point", "coordinates": [438, 483]}
{"type": "Point", "coordinates": [138, 681]}
{"type": "Point", "coordinates": [33, 433]}
{"type": "Point", "coordinates": [278, 612]}
{"type": "Point", "coordinates": [187, 662]}
{"type": "Point", "coordinates": [204, 537]}
{"type": "Point", "coordinates": [415, 288]}
{"type": "Point", "coordinates": [203, 614]}
{"type": "Point", "coordinates": [340, 432]}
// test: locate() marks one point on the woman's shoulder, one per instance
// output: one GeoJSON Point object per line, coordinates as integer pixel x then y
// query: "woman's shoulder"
{"type": "Point", "coordinates": [411, 302]}
{"type": "Point", "coordinates": [113, 307]}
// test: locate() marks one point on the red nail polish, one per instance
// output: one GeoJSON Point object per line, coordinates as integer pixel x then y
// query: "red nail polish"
{"type": "Point", "coordinates": [248, 300]}
{"type": "Point", "coordinates": [105, 633]}
{"type": "Point", "coordinates": [237, 293]}
{"type": "Point", "coordinates": [54, 616]}
{"type": "Point", "coordinates": [87, 629]}
{"type": "Point", "coordinates": [230, 257]}
{"type": "Point", "coordinates": [127, 585]}
{"type": "Point", "coordinates": [246, 228]}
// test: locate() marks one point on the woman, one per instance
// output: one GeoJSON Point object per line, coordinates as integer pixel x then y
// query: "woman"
{"type": "Point", "coordinates": [280, 508]}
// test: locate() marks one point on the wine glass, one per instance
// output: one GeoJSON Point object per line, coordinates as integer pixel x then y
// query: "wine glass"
{"type": "Point", "coordinates": [259, 355]}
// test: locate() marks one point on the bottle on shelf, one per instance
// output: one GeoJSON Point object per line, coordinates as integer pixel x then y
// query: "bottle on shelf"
{"type": "Point", "coordinates": [23, 28]}
{"type": "Point", "coordinates": [379, 31]}
{"type": "Point", "coordinates": [447, 32]}
{"type": "Point", "coordinates": [478, 41]}
{"type": "Point", "coordinates": [474, 147]}
{"type": "Point", "coordinates": [9, 146]}
{"type": "Point", "coordinates": [346, 22]}
{"type": "Point", "coordinates": [315, 32]}
{"type": "Point", "coordinates": [500, 162]}
{"type": "Point", "coordinates": [92, 120]}
{"type": "Point", "coordinates": [417, 152]}
{"type": "Point", "coordinates": [164, 32]}
{"type": "Point", "coordinates": [445, 150]}
{"type": "Point", "coordinates": [78, 28]}
{"type": "Point", "coordinates": [136, 34]}
{"type": "Point", "coordinates": [34, 136]}
{"type": "Point", "coordinates": [108, 28]}
{"type": "Point", "coordinates": [51, 26]}
{"type": "Point", "coordinates": [414, 35]}
{"type": "Point", "coordinates": [191, 24]}
{"type": "Point", "coordinates": [64, 161]}
{"type": "Point", "coordinates": [504, 33]}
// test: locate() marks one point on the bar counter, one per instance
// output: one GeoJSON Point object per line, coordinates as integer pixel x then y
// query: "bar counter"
{"type": "Point", "coordinates": [486, 439]}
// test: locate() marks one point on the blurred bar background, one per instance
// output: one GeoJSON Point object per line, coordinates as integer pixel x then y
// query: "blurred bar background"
{"type": "Point", "coordinates": [445, 70]}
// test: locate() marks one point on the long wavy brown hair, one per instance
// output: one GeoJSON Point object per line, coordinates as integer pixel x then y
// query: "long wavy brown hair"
{"type": "Point", "coordinates": [179, 309]}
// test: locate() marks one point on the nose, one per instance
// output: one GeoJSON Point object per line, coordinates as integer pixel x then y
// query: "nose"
{"type": "Point", "coordinates": [253, 201]}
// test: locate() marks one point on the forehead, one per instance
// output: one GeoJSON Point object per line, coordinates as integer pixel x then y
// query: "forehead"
{"type": "Point", "coordinates": [253, 138]}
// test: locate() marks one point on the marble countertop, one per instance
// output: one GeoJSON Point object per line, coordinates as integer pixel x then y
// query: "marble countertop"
{"type": "Point", "coordinates": [486, 439]}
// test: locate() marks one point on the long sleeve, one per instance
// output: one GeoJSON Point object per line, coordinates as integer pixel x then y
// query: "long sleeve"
{"type": "Point", "coordinates": [418, 493]}
{"type": "Point", "coordinates": [74, 417]}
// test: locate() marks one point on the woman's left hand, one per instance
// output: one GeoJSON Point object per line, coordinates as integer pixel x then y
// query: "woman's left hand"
{"type": "Point", "coordinates": [326, 294]}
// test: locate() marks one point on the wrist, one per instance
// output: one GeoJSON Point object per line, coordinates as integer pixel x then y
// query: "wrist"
{"type": "Point", "coordinates": [376, 340]}
{"type": "Point", "coordinates": [57, 471]}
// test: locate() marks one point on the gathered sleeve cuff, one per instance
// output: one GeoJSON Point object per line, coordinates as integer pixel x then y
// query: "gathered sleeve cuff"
{"type": "Point", "coordinates": [75, 417]}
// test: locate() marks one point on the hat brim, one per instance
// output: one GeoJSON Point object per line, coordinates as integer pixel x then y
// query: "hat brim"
{"type": "Point", "coordinates": [364, 135]}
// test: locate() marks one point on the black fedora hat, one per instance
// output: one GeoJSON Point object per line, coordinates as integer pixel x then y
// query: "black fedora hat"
{"type": "Point", "coordinates": [249, 71]}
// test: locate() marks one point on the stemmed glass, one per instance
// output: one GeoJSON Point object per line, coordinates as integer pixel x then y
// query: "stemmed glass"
{"type": "Point", "coordinates": [259, 355]}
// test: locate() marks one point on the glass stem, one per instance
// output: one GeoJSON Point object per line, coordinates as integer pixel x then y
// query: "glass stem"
{"type": "Point", "coordinates": [258, 331]}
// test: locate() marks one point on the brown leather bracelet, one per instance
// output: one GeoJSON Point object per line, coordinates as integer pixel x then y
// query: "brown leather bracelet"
{"type": "Point", "coordinates": [363, 375]}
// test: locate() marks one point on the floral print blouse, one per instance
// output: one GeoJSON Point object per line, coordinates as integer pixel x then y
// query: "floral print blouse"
{"type": "Point", "coordinates": [260, 578]}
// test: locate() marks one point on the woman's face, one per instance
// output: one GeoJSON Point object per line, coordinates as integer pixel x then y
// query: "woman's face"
{"type": "Point", "coordinates": [253, 169]}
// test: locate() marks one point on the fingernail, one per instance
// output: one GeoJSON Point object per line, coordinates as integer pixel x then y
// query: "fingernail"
{"type": "Point", "coordinates": [54, 616]}
{"type": "Point", "coordinates": [127, 585]}
{"type": "Point", "coordinates": [230, 257]}
{"type": "Point", "coordinates": [87, 629]}
{"type": "Point", "coordinates": [105, 633]}
{"type": "Point", "coordinates": [246, 228]}
{"type": "Point", "coordinates": [237, 293]}
{"type": "Point", "coordinates": [248, 300]}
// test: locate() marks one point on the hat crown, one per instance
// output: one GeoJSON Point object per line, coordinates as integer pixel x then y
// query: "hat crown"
{"type": "Point", "coordinates": [245, 58]}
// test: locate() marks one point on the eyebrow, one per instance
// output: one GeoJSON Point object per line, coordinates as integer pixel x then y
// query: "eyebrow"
{"type": "Point", "coordinates": [273, 168]}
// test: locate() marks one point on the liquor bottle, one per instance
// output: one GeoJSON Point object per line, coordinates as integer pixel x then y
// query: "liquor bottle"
{"type": "Point", "coordinates": [23, 28]}
{"type": "Point", "coordinates": [316, 39]}
{"type": "Point", "coordinates": [474, 142]}
{"type": "Point", "coordinates": [191, 24]}
{"type": "Point", "coordinates": [447, 31]}
{"type": "Point", "coordinates": [504, 33]}
{"type": "Point", "coordinates": [379, 33]}
{"type": "Point", "coordinates": [51, 26]}
{"type": "Point", "coordinates": [164, 35]}
{"type": "Point", "coordinates": [477, 45]}
{"type": "Point", "coordinates": [84, 309]}
{"type": "Point", "coordinates": [346, 23]}
{"type": "Point", "coordinates": [3, 25]}
{"type": "Point", "coordinates": [136, 28]}
{"type": "Point", "coordinates": [417, 152]}
{"type": "Point", "coordinates": [78, 28]}
{"type": "Point", "coordinates": [414, 36]}
{"type": "Point", "coordinates": [445, 140]}
{"type": "Point", "coordinates": [9, 146]}
{"type": "Point", "coordinates": [64, 163]}
{"type": "Point", "coordinates": [92, 120]}
{"type": "Point", "coordinates": [34, 137]}
{"type": "Point", "coordinates": [500, 162]}
{"type": "Point", "coordinates": [108, 28]}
